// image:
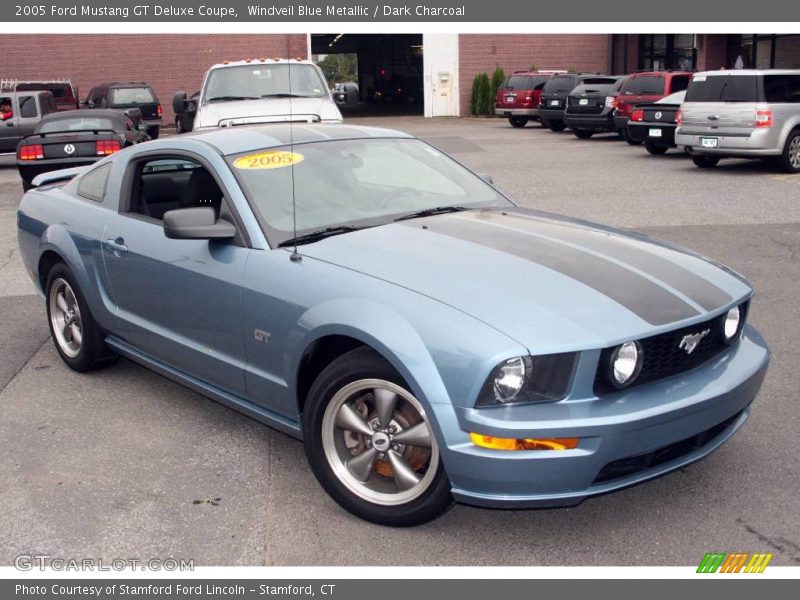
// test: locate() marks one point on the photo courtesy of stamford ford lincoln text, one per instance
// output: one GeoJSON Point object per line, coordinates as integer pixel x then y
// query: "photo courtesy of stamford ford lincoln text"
{"type": "Point", "coordinates": [460, 298]}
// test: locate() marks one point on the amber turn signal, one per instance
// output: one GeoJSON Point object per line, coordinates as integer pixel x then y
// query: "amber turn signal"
{"type": "Point", "coordinates": [497, 443]}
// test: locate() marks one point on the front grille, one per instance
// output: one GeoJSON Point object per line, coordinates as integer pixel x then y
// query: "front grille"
{"type": "Point", "coordinates": [663, 357]}
{"type": "Point", "coordinates": [630, 465]}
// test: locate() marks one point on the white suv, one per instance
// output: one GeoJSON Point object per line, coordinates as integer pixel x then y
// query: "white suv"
{"type": "Point", "coordinates": [261, 91]}
{"type": "Point", "coordinates": [744, 113]}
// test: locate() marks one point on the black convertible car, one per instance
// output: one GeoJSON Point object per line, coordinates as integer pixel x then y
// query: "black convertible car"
{"type": "Point", "coordinates": [654, 124]}
{"type": "Point", "coordinates": [75, 138]}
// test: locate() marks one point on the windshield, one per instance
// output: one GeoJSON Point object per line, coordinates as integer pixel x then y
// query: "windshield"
{"type": "Point", "coordinates": [560, 84]}
{"type": "Point", "coordinates": [132, 95]}
{"type": "Point", "coordinates": [652, 85]}
{"type": "Point", "coordinates": [76, 124]}
{"type": "Point", "coordinates": [355, 182]}
{"type": "Point", "coordinates": [723, 88]}
{"type": "Point", "coordinates": [262, 81]}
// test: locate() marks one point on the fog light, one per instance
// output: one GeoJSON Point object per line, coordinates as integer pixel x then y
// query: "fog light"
{"type": "Point", "coordinates": [732, 321]}
{"type": "Point", "coordinates": [626, 363]}
{"type": "Point", "coordinates": [498, 443]}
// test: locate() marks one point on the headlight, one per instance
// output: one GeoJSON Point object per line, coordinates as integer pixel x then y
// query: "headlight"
{"type": "Point", "coordinates": [732, 324]}
{"type": "Point", "coordinates": [523, 379]}
{"type": "Point", "coordinates": [626, 362]}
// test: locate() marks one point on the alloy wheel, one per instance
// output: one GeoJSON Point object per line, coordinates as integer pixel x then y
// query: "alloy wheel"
{"type": "Point", "coordinates": [65, 316]}
{"type": "Point", "coordinates": [794, 152]}
{"type": "Point", "coordinates": [378, 443]}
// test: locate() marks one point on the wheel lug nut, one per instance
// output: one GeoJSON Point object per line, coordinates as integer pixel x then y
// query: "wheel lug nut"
{"type": "Point", "coordinates": [396, 448]}
{"type": "Point", "coordinates": [375, 427]}
{"type": "Point", "coordinates": [392, 429]}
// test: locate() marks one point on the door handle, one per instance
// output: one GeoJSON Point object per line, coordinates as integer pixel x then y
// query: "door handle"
{"type": "Point", "coordinates": [117, 246]}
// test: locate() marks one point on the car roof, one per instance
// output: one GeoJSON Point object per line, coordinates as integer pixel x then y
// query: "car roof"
{"type": "Point", "coordinates": [244, 138]}
{"type": "Point", "coordinates": [661, 73]}
{"type": "Point", "coordinates": [260, 61]}
{"type": "Point", "coordinates": [750, 72]}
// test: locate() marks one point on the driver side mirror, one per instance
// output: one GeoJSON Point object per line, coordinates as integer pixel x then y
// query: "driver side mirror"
{"type": "Point", "coordinates": [179, 103]}
{"type": "Point", "coordinates": [197, 223]}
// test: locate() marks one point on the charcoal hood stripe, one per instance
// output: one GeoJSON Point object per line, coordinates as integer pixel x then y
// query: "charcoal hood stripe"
{"type": "Point", "coordinates": [693, 286]}
{"type": "Point", "coordinates": [648, 300]}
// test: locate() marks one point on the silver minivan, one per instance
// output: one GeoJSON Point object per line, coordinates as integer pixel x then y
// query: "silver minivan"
{"type": "Point", "coordinates": [742, 113]}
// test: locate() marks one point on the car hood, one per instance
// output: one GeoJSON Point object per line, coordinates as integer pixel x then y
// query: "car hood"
{"type": "Point", "coordinates": [550, 283]}
{"type": "Point", "coordinates": [268, 109]}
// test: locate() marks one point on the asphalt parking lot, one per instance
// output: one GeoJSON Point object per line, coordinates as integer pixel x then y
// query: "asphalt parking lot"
{"type": "Point", "coordinates": [123, 463]}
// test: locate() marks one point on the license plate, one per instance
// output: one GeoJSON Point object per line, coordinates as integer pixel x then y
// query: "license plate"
{"type": "Point", "coordinates": [553, 102]}
{"type": "Point", "coordinates": [709, 142]}
{"type": "Point", "coordinates": [510, 98]}
{"type": "Point", "coordinates": [583, 102]}
{"type": "Point", "coordinates": [655, 133]}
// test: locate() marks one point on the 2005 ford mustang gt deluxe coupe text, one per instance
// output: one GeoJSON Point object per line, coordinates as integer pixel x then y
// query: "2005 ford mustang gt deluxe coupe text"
{"type": "Point", "coordinates": [427, 339]}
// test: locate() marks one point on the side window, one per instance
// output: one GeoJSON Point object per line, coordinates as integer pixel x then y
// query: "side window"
{"type": "Point", "coordinates": [27, 107]}
{"type": "Point", "coordinates": [93, 184]}
{"type": "Point", "coordinates": [782, 88]}
{"type": "Point", "coordinates": [679, 83]}
{"type": "Point", "coordinates": [168, 183]}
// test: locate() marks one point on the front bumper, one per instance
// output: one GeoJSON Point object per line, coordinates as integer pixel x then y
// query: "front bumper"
{"type": "Point", "coordinates": [516, 112]}
{"type": "Point", "coordinates": [761, 142]}
{"type": "Point", "coordinates": [625, 438]}
{"type": "Point", "coordinates": [640, 132]}
{"type": "Point", "coordinates": [597, 122]}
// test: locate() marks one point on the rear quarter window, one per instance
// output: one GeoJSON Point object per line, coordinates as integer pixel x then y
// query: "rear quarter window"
{"type": "Point", "coordinates": [723, 88]}
{"type": "Point", "coordinates": [92, 185]}
{"type": "Point", "coordinates": [782, 89]}
{"type": "Point", "coordinates": [679, 83]}
{"type": "Point", "coordinates": [647, 85]}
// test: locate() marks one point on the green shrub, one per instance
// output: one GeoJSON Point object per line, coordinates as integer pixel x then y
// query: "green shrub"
{"type": "Point", "coordinates": [498, 77]}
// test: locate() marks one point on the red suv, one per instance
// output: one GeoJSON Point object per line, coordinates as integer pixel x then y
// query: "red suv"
{"type": "Point", "coordinates": [646, 87]}
{"type": "Point", "coordinates": [518, 97]}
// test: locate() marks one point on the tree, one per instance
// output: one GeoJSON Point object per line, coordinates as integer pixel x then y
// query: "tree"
{"type": "Point", "coordinates": [339, 67]}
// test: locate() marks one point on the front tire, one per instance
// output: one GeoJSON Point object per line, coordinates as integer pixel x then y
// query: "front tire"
{"type": "Point", "coordinates": [518, 122]}
{"type": "Point", "coordinates": [789, 161]}
{"type": "Point", "coordinates": [78, 339]}
{"type": "Point", "coordinates": [371, 444]}
{"type": "Point", "coordinates": [557, 126]}
{"type": "Point", "coordinates": [655, 149]}
{"type": "Point", "coordinates": [582, 134]}
{"type": "Point", "coordinates": [705, 162]}
{"type": "Point", "coordinates": [627, 137]}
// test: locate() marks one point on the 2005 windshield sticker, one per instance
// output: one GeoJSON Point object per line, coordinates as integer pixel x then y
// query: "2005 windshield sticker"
{"type": "Point", "coordinates": [274, 159]}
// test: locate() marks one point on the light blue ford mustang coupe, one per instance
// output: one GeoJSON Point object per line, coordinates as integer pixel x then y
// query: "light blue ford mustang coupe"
{"type": "Point", "coordinates": [427, 339]}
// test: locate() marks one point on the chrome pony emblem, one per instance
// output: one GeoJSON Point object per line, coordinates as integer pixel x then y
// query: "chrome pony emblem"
{"type": "Point", "coordinates": [691, 341]}
{"type": "Point", "coordinates": [658, 116]}
{"type": "Point", "coordinates": [69, 149]}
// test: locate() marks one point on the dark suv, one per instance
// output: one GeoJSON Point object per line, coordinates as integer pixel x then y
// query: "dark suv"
{"type": "Point", "coordinates": [646, 87]}
{"type": "Point", "coordinates": [553, 100]}
{"type": "Point", "coordinates": [518, 97]}
{"type": "Point", "coordinates": [590, 106]}
{"type": "Point", "coordinates": [125, 95]}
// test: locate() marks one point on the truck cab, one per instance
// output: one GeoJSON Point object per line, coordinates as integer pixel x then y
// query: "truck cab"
{"type": "Point", "coordinates": [26, 110]}
{"type": "Point", "coordinates": [261, 91]}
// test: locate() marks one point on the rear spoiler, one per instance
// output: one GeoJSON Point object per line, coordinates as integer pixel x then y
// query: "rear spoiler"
{"type": "Point", "coordinates": [56, 177]}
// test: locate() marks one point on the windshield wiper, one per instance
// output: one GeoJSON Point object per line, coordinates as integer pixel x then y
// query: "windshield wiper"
{"type": "Point", "coordinates": [320, 234]}
{"type": "Point", "coordinates": [231, 98]}
{"type": "Point", "coordinates": [284, 95]}
{"type": "Point", "coordinates": [429, 212]}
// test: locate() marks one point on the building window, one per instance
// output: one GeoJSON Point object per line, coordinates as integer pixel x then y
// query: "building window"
{"type": "Point", "coordinates": [659, 52]}
{"type": "Point", "coordinates": [764, 51]}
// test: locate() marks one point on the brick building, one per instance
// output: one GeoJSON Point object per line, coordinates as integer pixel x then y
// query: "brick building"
{"type": "Point", "coordinates": [444, 65]}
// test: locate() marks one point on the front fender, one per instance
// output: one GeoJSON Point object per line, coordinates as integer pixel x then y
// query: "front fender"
{"type": "Point", "coordinates": [375, 325]}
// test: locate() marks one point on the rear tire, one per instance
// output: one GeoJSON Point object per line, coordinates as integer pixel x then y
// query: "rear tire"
{"type": "Point", "coordinates": [402, 483]}
{"type": "Point", "coordinates": [654, 149]}
{"type": "Point", "coordinates": [582, 134]}
{"type": "Point", "coordinates": [557, 126]}
{"type": "Point", "coordinates": [153, 132]}
{"type": "Point", "coordinates": [78, 339]}
{"type": "Point", "coordinates": [705, 162]}
{"type": "Point", "coordinates": [178, 126]}
{"type": "Point", "coordinates": [518, 122]}
{"type": "Point", "coordinates": [789, 161]}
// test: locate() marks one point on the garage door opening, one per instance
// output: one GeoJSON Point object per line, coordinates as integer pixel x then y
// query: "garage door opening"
{"type": "Point", "coordinates": [376, 74]}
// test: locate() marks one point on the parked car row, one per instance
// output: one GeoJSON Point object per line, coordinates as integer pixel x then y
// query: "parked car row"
{"type": "Point", "coordinates": [710, 115]}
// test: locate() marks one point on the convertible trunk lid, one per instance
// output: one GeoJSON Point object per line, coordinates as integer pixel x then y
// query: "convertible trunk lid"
{"type": "Point", "coordinates": [549, 283]}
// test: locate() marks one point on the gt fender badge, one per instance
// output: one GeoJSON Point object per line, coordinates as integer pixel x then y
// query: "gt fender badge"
{"type": "Point", "coordinates": [691, 341]}
{"type": "Point", "coordinates": [261, 336]}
